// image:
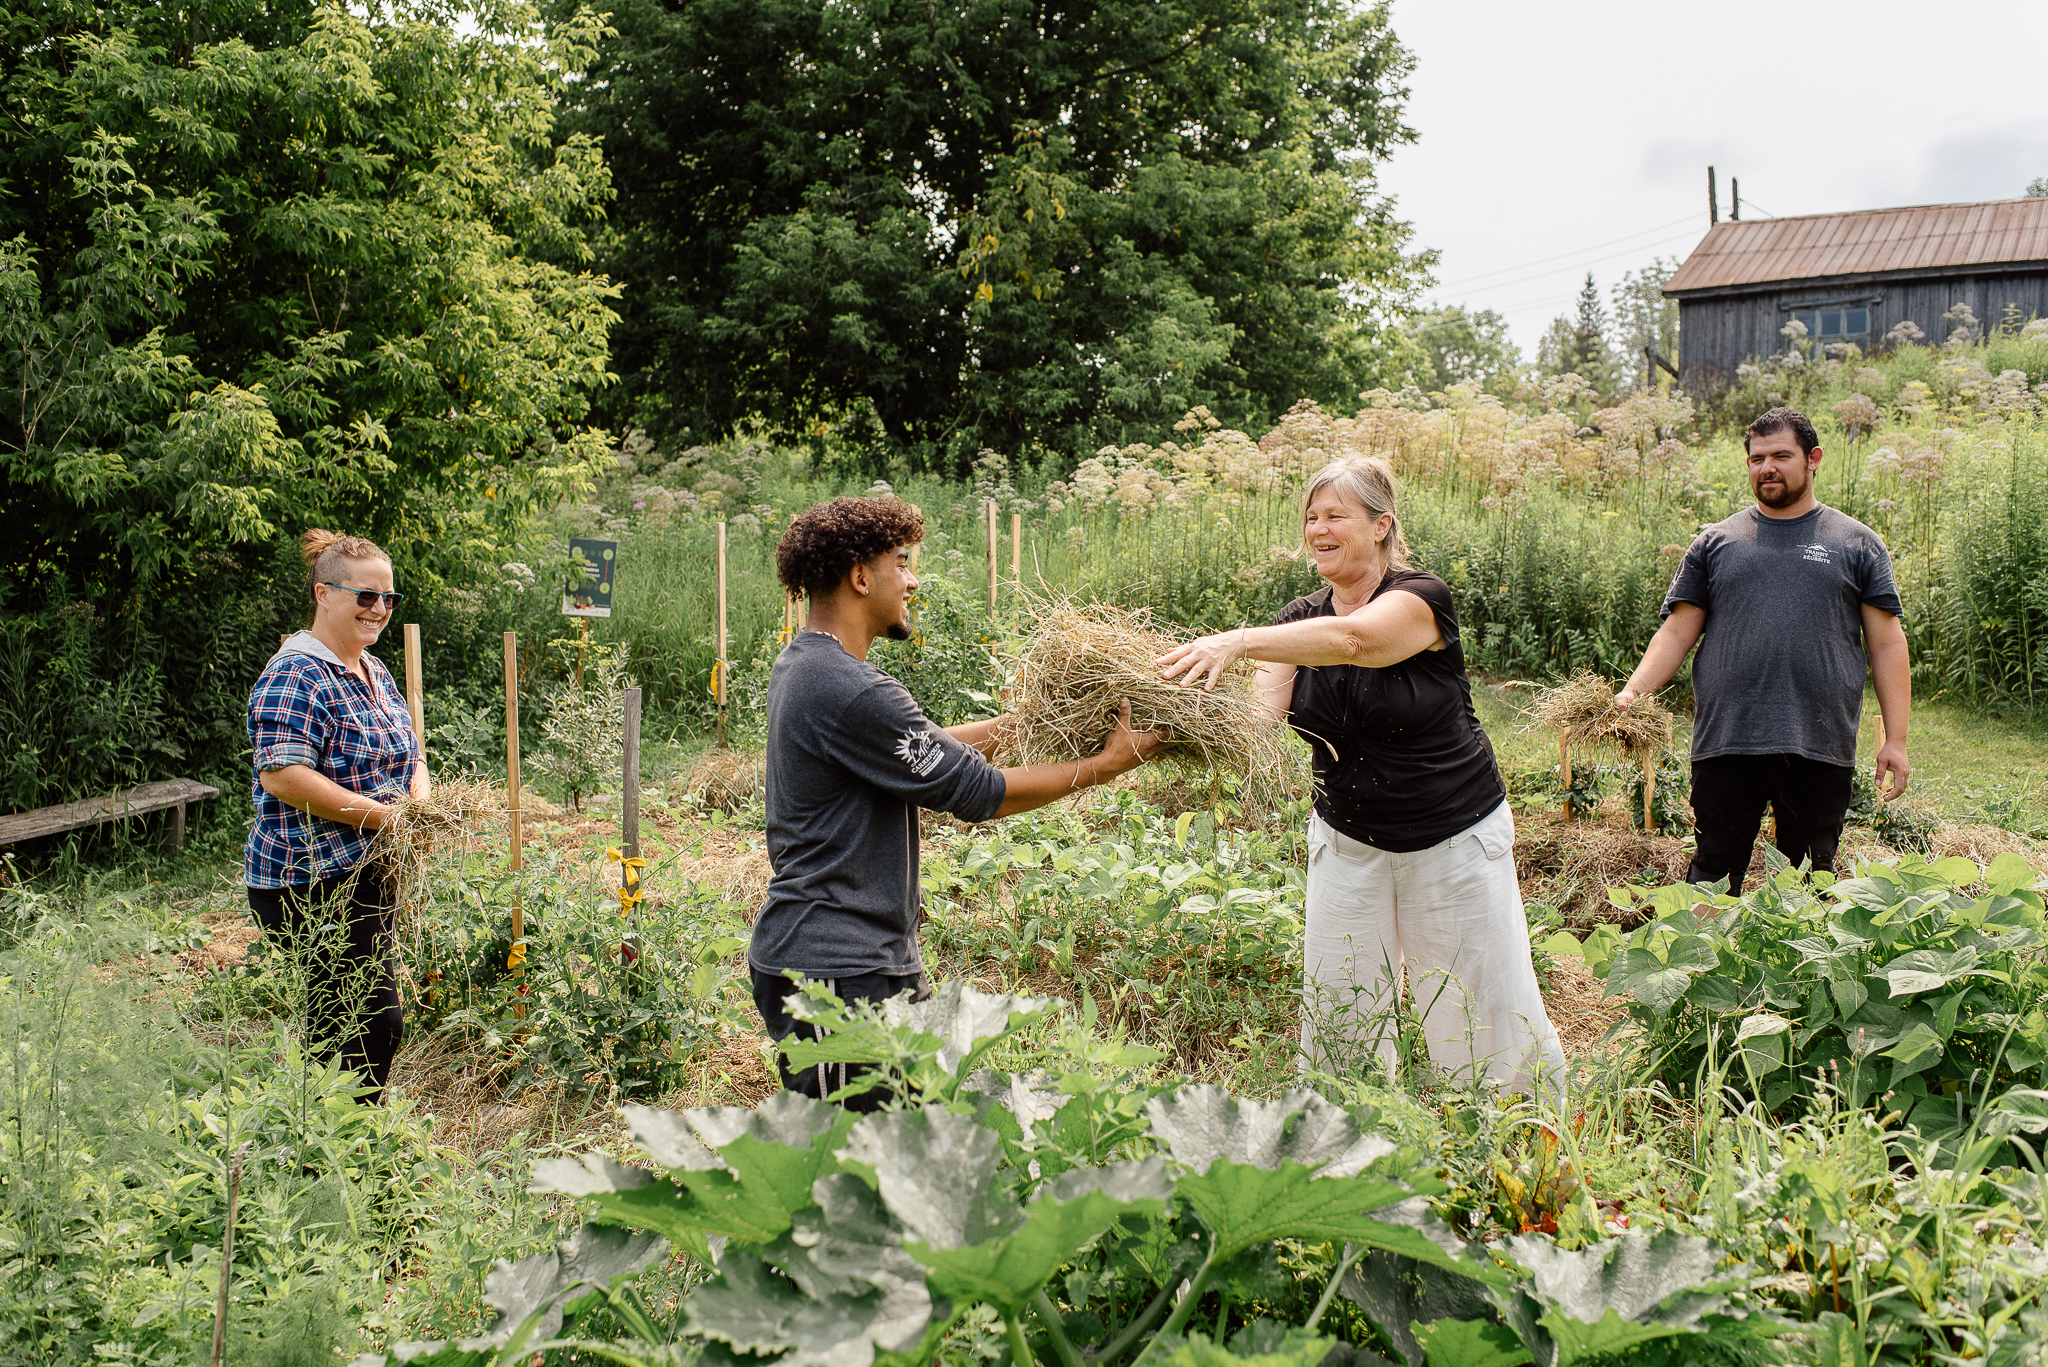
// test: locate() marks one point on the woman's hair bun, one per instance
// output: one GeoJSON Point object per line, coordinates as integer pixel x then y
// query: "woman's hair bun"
{"type": "Point", "coordinates": [315, 543]}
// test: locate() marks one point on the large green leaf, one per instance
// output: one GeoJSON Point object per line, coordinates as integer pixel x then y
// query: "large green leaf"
{"type": "Point", "coordinates": [766, 1156]}
{"type": "Point", "coordinates": [1470, 1343]}
{"type": "Point", "coordinates": [834, 1289]}
{"type": "Point", "coordinates": [938, 1173]}
{"type": "Point", "coordinates": [1928, 970]}
{"type": "Point", "coordinates": [1395, 1292]}
{"type": "Point", "coordinates": [1296, 1167]}
{"type": "Point", "coordinates": [1008, 1270]}
{"type": "Point", "coordinates": [1296, 1348]}
{"type": "Point", "coordinates": [1201, 1124]}
{"type": "Point", "coordinates": [1619, 1292]}
{"type": "Point", "coordinates": [734, 1173]}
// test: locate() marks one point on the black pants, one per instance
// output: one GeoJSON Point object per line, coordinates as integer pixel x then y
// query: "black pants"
{"type": "Point", "coordinates": [826, 1078]}
{"type": "Point", "coordinates": [338, 931]}
{"type": "Point", "coordinates": [1729, 792]}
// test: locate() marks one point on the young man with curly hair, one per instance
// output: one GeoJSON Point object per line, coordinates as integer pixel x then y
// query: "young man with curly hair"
{"type": "Point", "coordinates": [851, 759]}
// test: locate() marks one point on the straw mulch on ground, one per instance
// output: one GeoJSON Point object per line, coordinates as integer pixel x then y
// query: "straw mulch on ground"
{"type": "Point", "coordinates": [723, 780]}
{"type": "Point", "coordinates": [1081, 662]}
{"type": "Point", "coordinates": [1582, 708]}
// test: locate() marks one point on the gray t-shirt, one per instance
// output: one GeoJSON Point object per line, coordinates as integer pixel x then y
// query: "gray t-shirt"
{"type": "Point", "coordinates": [850, 761]}
{"type": "Point", "coordinates": [1781, 662]}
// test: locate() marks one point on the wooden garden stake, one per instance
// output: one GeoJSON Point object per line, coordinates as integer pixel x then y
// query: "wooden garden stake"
{"type": "Point", "coordinates": [415, 674]}
{"type": "Point", "coordinates": [1016, 548]}
{"type": "Point", "coordinates": [990, 509]}
{"type": "Point", "coordinates": [718, 667]}
{"type": "Point", "coordinates": [512, 802]}
{"type": "Point", "coordinates": [917, 546]}
{"type": "Point", "coordinates": [629, 805]}
{"type": "Point", "coordinates": [1564, 765]}
{"type": "Point", "coordinates": [1649, 790]}
{"type": "Point", "coordinates": [582, 644]}
{"type": "Point", "coordinates": [1877, 748]}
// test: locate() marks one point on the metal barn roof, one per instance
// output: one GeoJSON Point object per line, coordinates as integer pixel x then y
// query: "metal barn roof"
{"type": "Point", "coordinates": [1930, 237]}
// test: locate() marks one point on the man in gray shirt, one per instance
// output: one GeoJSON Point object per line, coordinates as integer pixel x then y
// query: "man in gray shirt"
{"type": "Point", "coordinates": [1791, 602]}
{"type": "Point", "coordinates": [851, 759]}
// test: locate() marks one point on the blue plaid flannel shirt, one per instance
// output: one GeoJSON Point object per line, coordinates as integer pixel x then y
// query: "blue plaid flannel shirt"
{"type": "Point", "coordinates": [305, 710]}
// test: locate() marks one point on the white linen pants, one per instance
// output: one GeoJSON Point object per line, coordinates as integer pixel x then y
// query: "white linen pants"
{"type": "Point", "coordinates": [1452, 915]}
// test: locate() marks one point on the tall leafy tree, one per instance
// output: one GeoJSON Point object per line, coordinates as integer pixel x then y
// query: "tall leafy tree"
{"type": "Point", "coordinates": [994, 222]}
{"type": "Point", "coordinates": [269, 265]}
{"type": "Point", "coordinates": [1469, 347]}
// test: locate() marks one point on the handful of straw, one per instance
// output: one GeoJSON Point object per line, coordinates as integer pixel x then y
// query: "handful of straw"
{"type": "Point", "coordinates": [416, 827]}
{"type": "Point", "coordinates": [1583, 711]}
{"type": "Point", "coordinates": [1082, 661]}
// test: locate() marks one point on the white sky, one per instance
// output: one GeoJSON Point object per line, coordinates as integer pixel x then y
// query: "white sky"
{"type": "Point", "coordinates": [1547, 128]}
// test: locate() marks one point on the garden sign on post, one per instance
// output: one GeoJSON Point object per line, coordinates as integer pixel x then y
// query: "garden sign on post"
{"type": "Point", "coordinates": [590, 594]}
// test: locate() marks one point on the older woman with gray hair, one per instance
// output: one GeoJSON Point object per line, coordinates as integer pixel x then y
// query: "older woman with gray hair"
{"type": "Point", "coordinates": [1411, 846]}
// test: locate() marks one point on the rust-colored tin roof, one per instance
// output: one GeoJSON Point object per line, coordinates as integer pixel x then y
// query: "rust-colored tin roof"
{"type": "Point", "coordinates": [1929, 237]}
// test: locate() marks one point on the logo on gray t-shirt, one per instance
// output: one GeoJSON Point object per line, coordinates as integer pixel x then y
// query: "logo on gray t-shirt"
{"type": "Point", "coordinates": [1781, 661]}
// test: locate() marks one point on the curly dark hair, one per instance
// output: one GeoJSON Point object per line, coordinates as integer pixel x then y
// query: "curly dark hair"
{"type": "Point", "coordinates": [823, 543]}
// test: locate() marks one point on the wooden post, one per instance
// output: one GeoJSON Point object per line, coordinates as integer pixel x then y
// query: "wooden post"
{"type": "Point", "coordinates": [718, 667]}
{"type": "Point", "coordinates": [1877, 748]}
{"type": "Point", "coordinates": [629, 789]}
{"type": "Point", "coordinates": [415, 674]}
{"type": "Point", "coordinates": [990, 508]}
{"type": "Point", "coordinates": [1016, 548]}
{"type": "Point", "coordinates": [629, 833]}
{"type": "Point", "coordinates": [918, 546]}
{"type": "Point", "coordinates": [512, 796]}
{"type": "Point", "coordinates": [177, 827]}
{"type": "Point", "coordinates": [1564, 765]}
{"type": "Point", "coordinates": [582, 643]}
{"type": "Point", "coordinates": [1713, 200]}
{"type": "Point", "coordinates": [1649, 790]}
{"type": "Point", "coordinates": [1734, 200]}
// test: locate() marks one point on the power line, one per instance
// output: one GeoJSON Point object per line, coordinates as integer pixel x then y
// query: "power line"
{"type": "Point", "coordinates": [1595, 261]}
{"type": "Point", "coordinates": [1545, 260]}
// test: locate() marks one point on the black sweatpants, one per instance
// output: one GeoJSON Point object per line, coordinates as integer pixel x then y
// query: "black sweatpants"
{"type": "Point", "coordinates": [339, 931]}
{"type": "Point", "coordinates": [770, 990]}
{"type": "Point", "coordinates": [1729, 793]}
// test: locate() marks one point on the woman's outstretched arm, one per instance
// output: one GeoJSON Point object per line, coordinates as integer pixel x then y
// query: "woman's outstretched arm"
{"type": "Point", "coordinates": [1383, 633]}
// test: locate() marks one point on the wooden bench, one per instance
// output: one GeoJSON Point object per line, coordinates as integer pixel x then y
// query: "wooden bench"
{"type": "Point", "coordinates": [171, 795]}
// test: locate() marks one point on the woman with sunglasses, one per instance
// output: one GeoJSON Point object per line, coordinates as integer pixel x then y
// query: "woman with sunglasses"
{"type": "Point", "coordinates": [334, 745]}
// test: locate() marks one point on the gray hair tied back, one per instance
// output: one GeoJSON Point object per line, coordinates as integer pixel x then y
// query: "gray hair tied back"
{"type": "Point", "coordinates": [1367, 481]}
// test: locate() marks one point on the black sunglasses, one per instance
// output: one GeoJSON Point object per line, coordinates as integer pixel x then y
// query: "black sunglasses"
{"type": "Point", "coordinates": [367, 598]}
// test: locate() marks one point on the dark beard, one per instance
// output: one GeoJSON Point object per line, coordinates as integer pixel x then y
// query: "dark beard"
{"type": "Point", "coordinates": [897, 631]}
{"type": "Point", "coordinates": [1786, 499]}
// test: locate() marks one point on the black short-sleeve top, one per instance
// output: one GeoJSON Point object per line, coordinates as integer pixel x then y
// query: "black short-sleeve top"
{"type": "Point", "coordinates": [1400, 759]}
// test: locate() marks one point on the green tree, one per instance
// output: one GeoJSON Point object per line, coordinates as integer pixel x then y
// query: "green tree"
{"type": "Point", "coordinates": [1579, 344]}
{"type": "Point", "coordinates": [1469, 348]}
{"type": "Point", "coordinates": [268, 266]}
{"type": "Point", "coordinates": [989, 223]}
{"type": "Point", "coordinates": [1643, 317]}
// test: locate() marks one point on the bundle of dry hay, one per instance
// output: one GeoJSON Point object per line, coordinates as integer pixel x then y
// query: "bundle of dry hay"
{"type": "Point", "coordinates": [1582, 709]}
{"type": "Point", "coordinates": [1082, 661]}
{"type": "Point", "coordinates": [453, 816]}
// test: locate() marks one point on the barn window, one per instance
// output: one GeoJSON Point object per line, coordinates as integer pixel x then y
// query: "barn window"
{"type": "Point", "coordinates": [1837, 324]}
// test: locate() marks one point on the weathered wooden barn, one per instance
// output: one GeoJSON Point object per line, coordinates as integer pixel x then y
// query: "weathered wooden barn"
{"type": "Point", "coordinates": [1853, 278]}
